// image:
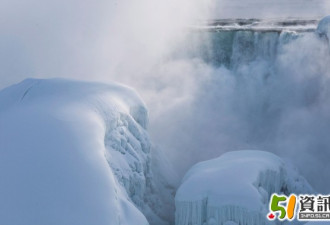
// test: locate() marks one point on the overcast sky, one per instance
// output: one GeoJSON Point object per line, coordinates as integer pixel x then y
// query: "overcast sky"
{"type": "Point", "coordinates": [271, 8]}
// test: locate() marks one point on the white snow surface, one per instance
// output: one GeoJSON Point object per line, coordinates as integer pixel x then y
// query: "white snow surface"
{"type": "Point", "coordinates": [235, 188]}
{"type": "Point", "coordinates": [73, 153]}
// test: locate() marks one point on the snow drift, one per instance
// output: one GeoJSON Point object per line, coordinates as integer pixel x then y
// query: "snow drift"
{"type": "Point", "coordinates": [74, 153]}
{"type": "Point", "coordinates": [235, 188]}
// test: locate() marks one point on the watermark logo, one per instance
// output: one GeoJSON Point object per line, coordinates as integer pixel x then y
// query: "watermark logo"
{"type": "Point", "coordinates": [282, 207]}
{"type": "Point", "coordinates": [302, 207]}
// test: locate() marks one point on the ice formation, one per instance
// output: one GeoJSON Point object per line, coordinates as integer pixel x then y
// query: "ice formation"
{"type": "Point", "coordinates": [75, 153]}
{"type": "Point", "coordinates": [235, 189]}
{"type": "Point", "coordinates": [323, 29]}
{"type": "Point", "coordinates": [232, 43]}
{"type": "Point", "coordinates": [231, 48]}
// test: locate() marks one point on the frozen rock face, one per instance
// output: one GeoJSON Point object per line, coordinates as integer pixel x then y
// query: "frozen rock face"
{"type": "Point", "coordinates": [234, 189]}
{"type": "Point", "coordinates": [235, 42]}
{"type": "Point", "coordinates": [323, 28]}
{"type": "Point", "coordinates": [74, 153]}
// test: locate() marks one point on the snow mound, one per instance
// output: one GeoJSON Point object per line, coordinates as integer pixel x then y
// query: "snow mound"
{"type": "Point", "coordinates": [234, 188]}
{"type": "Point", "coordinates": [323, 28]}
{"type": "Point", "coordinates": [73, 153]}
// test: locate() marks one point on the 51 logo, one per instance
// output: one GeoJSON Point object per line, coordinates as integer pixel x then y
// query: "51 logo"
{"type": "Point", "coordinates": [282, 207]}
{"type": "Point", "coordinates": [309, 207]}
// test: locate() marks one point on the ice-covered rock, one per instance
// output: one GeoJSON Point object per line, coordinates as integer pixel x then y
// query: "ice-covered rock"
{"type": "Point", "coordinates": [323, 29]}
{"type": "Point", "coordinates": [74, 153]}
{"type": "Point", "coordinates": [235, 189]}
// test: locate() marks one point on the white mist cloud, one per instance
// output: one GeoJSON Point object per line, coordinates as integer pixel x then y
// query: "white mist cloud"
{"type": "Point", "coordinates": [89, 39]}
{"type": "Point", "coordinates": [280, 106]}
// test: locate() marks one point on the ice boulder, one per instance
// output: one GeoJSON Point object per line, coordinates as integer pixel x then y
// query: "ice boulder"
{"type": "Point", "coordinates": [74, 153]}
{"type": "Point", "coordinates": [323, 29]}
{"type": "Point", "coordinates": [235, 189]}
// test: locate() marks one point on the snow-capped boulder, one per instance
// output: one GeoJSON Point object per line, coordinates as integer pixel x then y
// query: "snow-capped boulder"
{"type": "Point", "coordinates": [323, 27]}
{"type": "Point", "coordinates": [234, 189]}
{"type": "Point", "coordinates": [73, 153]}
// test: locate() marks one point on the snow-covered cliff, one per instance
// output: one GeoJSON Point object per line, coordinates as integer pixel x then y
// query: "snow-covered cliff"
{"type": "Point", "coordinates": [235, 188]}
{"type": "Point", "coordinates": [74, 153]}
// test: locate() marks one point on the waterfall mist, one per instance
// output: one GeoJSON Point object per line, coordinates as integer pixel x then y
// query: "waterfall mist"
{"type": "Point", "coordinates": [273, 97]}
